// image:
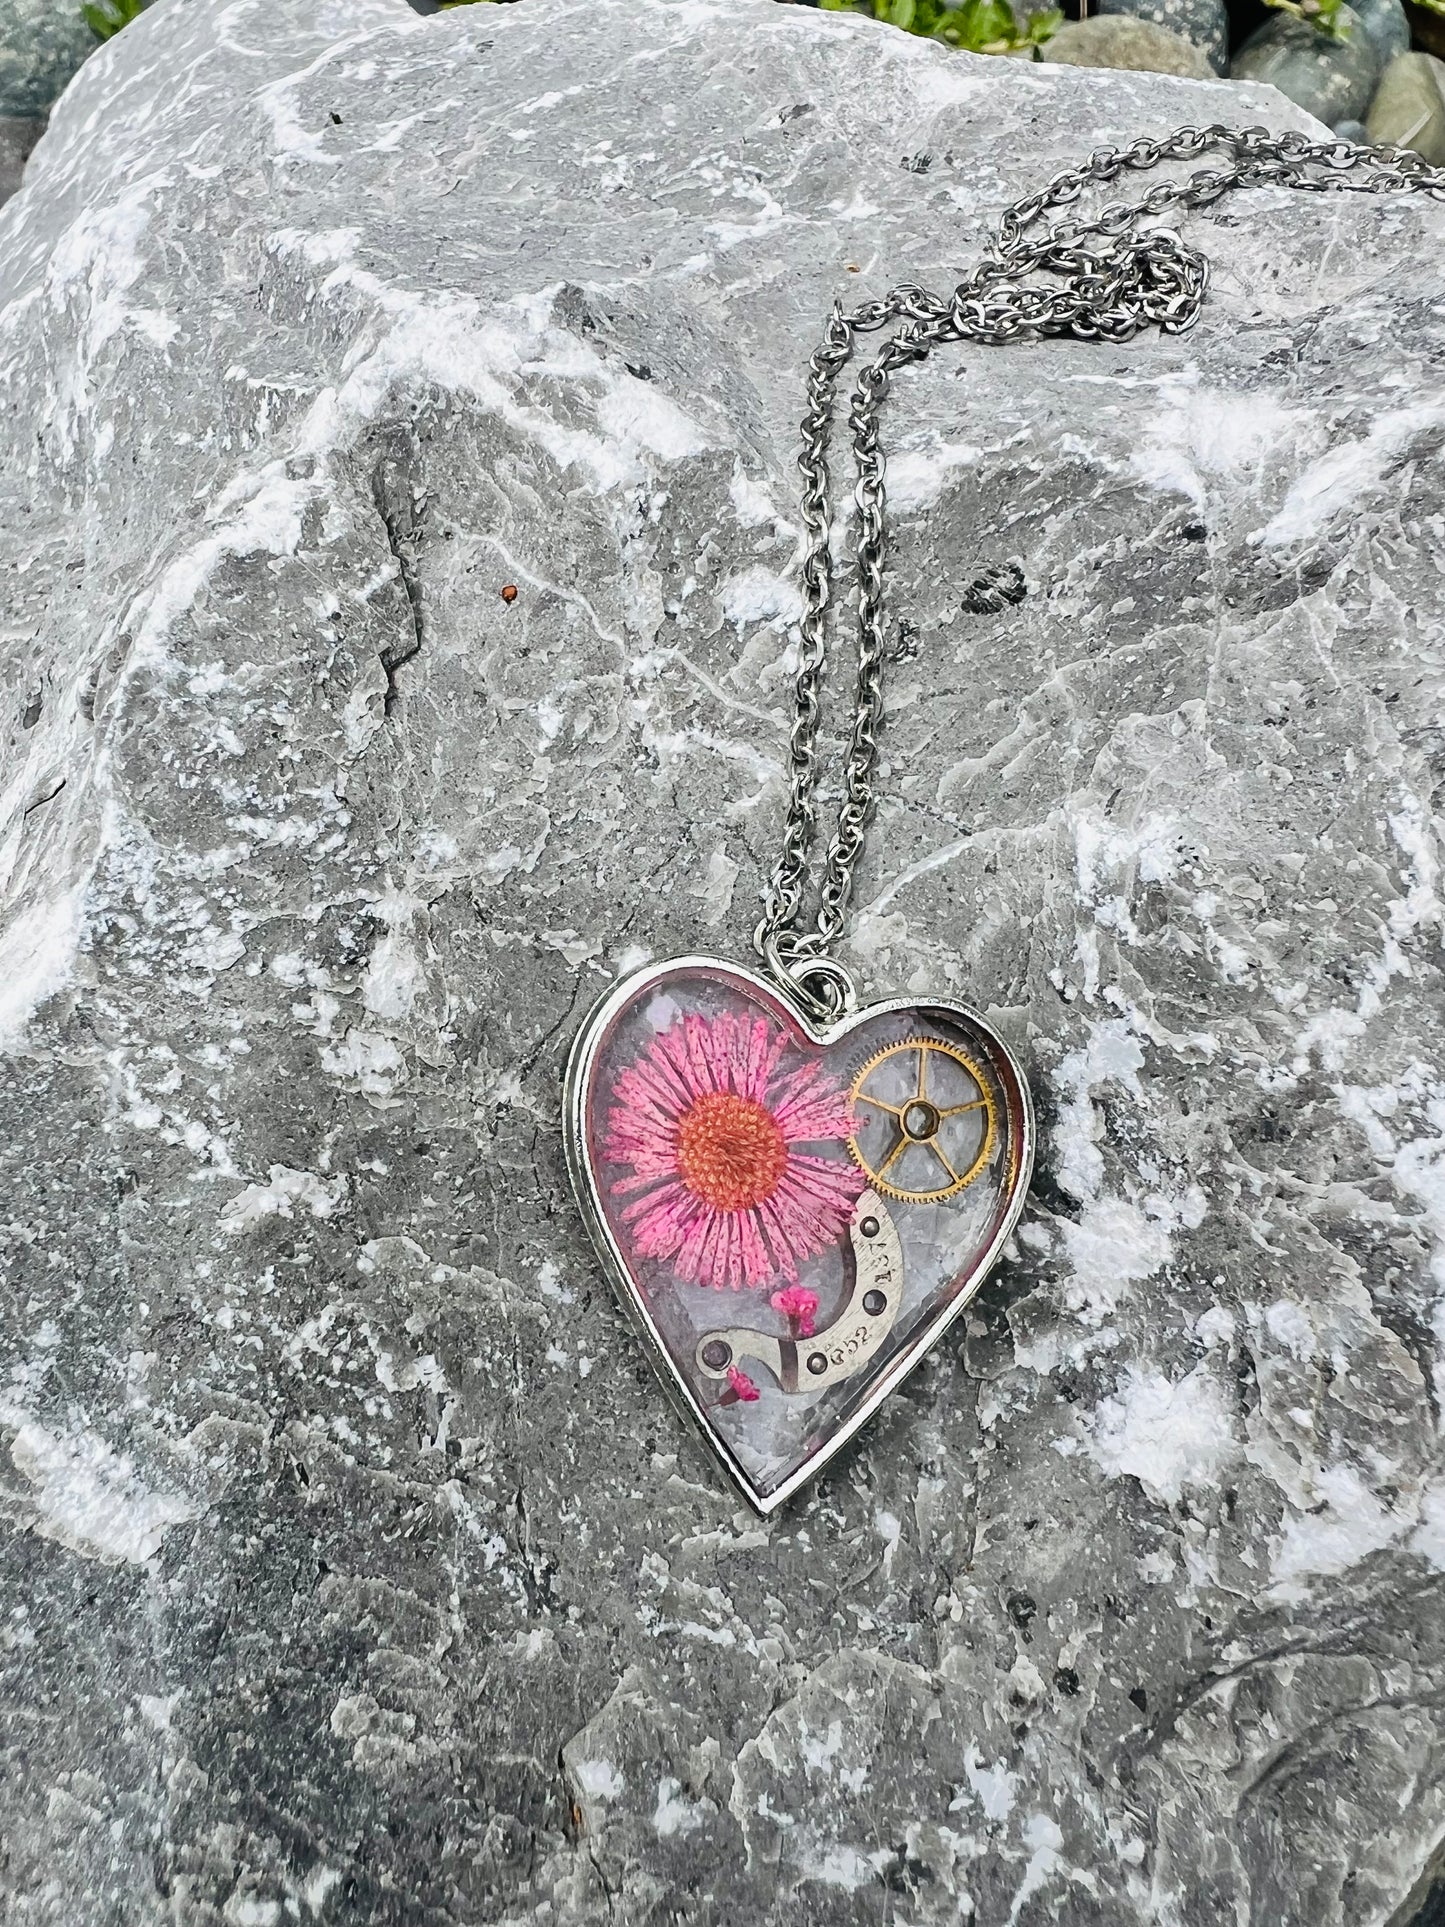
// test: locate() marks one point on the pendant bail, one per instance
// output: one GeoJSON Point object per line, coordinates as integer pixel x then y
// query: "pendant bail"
{"type": "Point", "coordinates": [824, 987]}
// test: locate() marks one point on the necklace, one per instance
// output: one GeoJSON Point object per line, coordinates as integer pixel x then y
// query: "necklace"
{"type": "Point", "coordinates": [795, 1193]}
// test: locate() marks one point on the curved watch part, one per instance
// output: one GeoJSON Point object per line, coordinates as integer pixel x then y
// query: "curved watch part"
{"type": "Point", "coordinates": [870, 1306]}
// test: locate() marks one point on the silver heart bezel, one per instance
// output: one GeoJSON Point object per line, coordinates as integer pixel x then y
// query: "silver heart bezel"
{"type": "Point", "coordinates": [581, 1062]}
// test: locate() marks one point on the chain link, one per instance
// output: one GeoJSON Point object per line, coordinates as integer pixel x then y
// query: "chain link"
{"type": "Point", "coordinates": [1097, 280]}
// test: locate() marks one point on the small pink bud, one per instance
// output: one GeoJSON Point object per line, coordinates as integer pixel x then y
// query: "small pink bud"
{"type": "Point", "coordinates": [741, 1386]}
{"type": "Point", "coordinates": [799, 1306]}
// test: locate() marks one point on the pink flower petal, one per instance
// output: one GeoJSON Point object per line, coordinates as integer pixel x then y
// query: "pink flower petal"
{"type": "Point", "coordinates": [741, 1386]}
{"type": "Point", "coordinates": [799, 1306]}
{"type": "Point", "coordinates": [743, 1054]}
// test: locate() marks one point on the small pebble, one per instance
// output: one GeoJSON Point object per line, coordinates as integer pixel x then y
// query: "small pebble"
{"type": "Point", "coordinates": [1331, 79]}
{"type": "Point", "coordinates": [17, 137]}
{"type": "Point", "coordinates": [1122, 40]}
{"type": "Point", "coordinates": [1386, 27]}
{"type": "Point", "coordinates": [42, 43]}
{"type": "Point", "coordinates": [1409, 107]}
{"type": "Point", "coordinates": [1203, 23]}
{"type": "Point", "coordinates": [509, 592]}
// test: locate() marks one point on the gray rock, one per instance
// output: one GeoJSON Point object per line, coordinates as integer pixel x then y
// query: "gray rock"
{"type": "Point", "coordinates": [42, 42]}
{"type": "Point", "coordinates": [1331, 79]}
{"type": "Point", "coordinates": [1386, 27]}
{"type": "Point", "coordinates": [1122, 41]}
{"type": "Point", "coordinates": [1409, 106]}
{"type": "Point", "coordinates": [17, 139]}
{"type": "Point", "coordinates": [1350, 130]}
{"type": "Point", "coordinates": [354, 1569]}
{"type": "Point", "coordinates": [1204, 22]}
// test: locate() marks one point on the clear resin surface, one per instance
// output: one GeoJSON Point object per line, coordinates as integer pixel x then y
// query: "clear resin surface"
{"type": "Point", "coordinates": [793, 1217]}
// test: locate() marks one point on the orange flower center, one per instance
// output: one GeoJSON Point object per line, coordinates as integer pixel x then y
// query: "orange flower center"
{"type": "Point", "coordinates": [731, 1152]}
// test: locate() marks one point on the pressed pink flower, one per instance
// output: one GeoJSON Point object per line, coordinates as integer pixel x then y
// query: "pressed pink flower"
{"type": "Point", "coordinates": [799, 1306]}
{"type": "Point", "coordinates": [741, 1386]}
{"type": "Point", "coordinates": [711, 1119]}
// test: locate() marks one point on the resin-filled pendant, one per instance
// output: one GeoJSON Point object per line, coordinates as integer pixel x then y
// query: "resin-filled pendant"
{"type": "Point", "coordinates": [792, 1215]}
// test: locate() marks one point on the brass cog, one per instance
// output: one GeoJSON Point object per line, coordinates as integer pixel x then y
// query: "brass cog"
{"type": "Point", "coordinates": [918, 1119]}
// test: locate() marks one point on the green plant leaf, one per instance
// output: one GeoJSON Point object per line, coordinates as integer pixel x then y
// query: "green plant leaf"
{"type": "Point", "coordinates": [1043, 26]}
{"type": "Point", "coordinates": [980, 26]}
{"type": "Point", "coordinates": [107, 17]}
{"type": "Point", "coordinates": [1325, 16]}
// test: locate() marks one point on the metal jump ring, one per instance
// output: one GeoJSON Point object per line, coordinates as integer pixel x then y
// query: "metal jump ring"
{"type": "Point", "coordinates": [823, 987]}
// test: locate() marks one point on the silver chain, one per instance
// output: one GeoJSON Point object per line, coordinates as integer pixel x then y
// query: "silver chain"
{"type": "Point", "coordinates": [1098, 280]}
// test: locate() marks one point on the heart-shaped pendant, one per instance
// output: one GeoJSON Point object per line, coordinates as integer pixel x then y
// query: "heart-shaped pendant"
{"type": "Point", "coordinates": [793, 1216]}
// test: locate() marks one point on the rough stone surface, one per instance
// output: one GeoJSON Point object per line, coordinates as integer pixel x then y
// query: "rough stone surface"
{"type": "Point", "coordinates": [1332, 79]}
{"type": "Point", "coordinates": [1203, 22]}
{"type": "Point", "coordinates": [1122, 41]}
{"type": "Point", "coordinates": [1409, 106]}
{"type": "Point", "coordinates": [356, 1570]}
{"type": "Point", "coordinates": [42, 42]}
